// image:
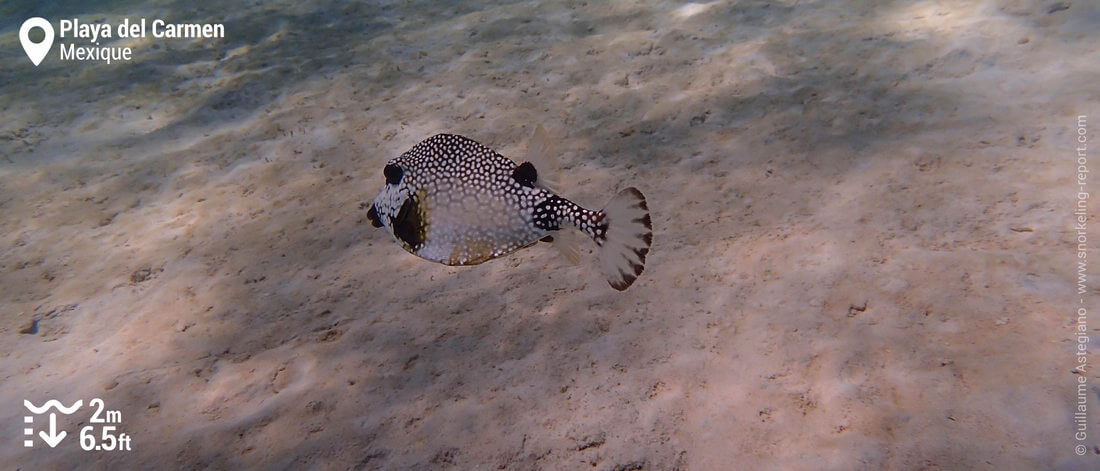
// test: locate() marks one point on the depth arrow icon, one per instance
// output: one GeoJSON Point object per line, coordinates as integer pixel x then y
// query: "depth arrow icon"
{"type": "Point", "coordinates": [53, 438]}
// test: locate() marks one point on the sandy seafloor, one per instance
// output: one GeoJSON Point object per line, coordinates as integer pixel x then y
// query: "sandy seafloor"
{"type": "Point", "coordinates": [863, 253]}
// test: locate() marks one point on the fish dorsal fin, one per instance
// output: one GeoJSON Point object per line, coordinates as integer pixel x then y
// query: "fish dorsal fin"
{"type": "Point", "coordinates": [541, 154]}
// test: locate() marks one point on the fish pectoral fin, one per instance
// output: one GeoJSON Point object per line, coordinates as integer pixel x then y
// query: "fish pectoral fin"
{"type": "Point", "coordinates": [542, 156]}
{"type": "Point", "coordinates": [567, 242]}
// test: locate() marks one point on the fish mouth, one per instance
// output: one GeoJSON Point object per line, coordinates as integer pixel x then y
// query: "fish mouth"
{"type": "Point", "coordinates": [372, 214]}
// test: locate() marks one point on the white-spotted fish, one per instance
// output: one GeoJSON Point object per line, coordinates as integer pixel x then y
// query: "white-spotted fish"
{"type": "Point", "coordinates": [454, 201]}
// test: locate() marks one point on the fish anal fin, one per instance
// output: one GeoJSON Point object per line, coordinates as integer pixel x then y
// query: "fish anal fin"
{"type": "Point", "coordinates": [568, 242]}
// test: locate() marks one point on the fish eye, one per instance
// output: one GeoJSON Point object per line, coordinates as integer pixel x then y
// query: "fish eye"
{"type": "Point", "coordinates": [393, 174]}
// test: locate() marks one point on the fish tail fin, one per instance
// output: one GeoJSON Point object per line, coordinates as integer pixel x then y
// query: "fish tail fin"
{"type": "Point", "coordinates": [625, 238]}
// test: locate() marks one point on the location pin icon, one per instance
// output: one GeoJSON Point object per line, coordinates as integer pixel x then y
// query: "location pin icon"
{"type": "Point", "coordinates": [36, 51]}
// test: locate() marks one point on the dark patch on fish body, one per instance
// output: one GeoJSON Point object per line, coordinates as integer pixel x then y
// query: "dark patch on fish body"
{"type": "Point", "coordinates": [526, 175]}
{"type": "Point", "coordinates": [547, 213]}
{"type": "Point", "coordinates": [408, 225]}
{"type": "Point", "coordinates": [372, 214]}
{"type": "Point", "coordinates": [393, 174]}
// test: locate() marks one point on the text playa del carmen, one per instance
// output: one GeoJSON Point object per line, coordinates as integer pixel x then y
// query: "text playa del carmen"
{"type": "Point", "coordinates": [94, 32]}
